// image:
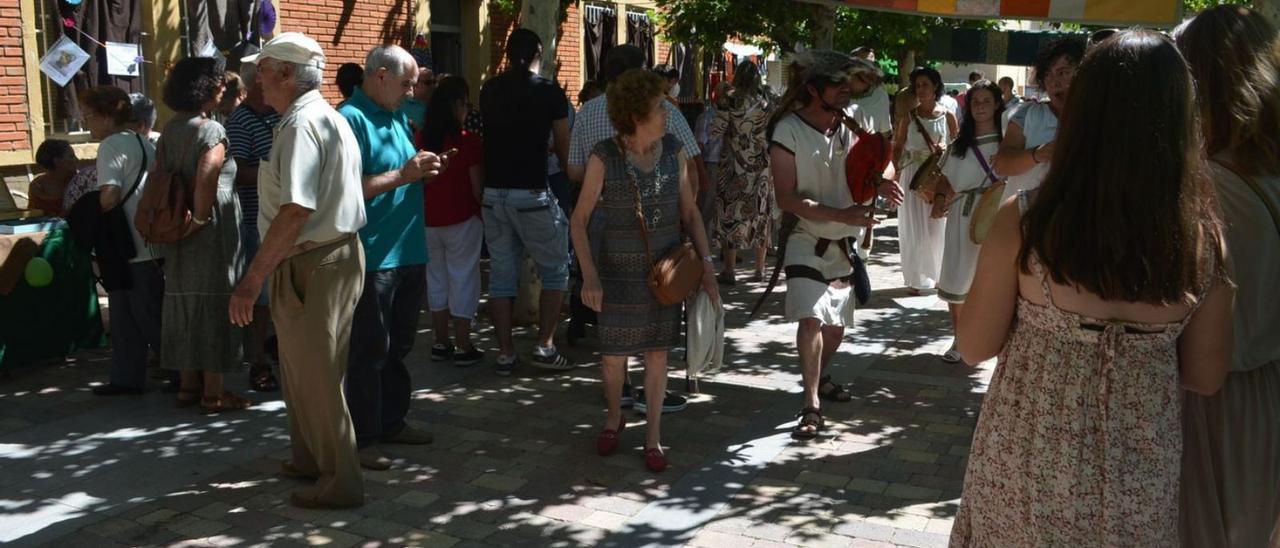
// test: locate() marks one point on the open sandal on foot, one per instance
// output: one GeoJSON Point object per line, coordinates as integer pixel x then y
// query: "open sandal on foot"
{"type": "Point", "coordinates": [834, 391]}
{"type": "Point", "coordinates": [223, 402]}
{"type": "Point", "coordinates": [810, 424]}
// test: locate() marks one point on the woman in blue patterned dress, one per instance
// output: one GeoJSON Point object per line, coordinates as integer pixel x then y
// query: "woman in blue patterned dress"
{"type": "Point", "coordinates": [643, 163]}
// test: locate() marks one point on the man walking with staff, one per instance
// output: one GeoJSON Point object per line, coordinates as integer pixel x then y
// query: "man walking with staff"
{"type": "Point", "coordinates": [820, 254]}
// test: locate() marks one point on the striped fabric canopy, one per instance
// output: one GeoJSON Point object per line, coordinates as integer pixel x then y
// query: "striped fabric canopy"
{"type": "Point", "coordinates": [1093, 12]}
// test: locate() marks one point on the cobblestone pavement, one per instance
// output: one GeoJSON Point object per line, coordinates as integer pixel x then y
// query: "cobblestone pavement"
{"type": "Point", "coordinates": [514, 462]}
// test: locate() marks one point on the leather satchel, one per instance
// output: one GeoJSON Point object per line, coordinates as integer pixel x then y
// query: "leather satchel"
{"type": "Point", "coordinates": [677, 274]}
{"type": "Point", "coordinates": [929, 180]}
{"type": "Point", "coordinates": [165, 208]}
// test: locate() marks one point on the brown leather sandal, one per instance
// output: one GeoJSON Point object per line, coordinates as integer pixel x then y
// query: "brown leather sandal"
{"type": "Point", "coordinates": [224, 402]}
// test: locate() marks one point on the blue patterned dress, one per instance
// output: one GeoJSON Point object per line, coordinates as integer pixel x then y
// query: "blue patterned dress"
{"type": "Point", "coordinates": [631, 319]}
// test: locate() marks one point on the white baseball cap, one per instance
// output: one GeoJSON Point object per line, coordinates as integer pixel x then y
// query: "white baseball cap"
{"type": "Point", "coordinates": [292, 47]}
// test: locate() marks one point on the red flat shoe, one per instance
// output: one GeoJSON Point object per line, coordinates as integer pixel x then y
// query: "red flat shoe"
{"type": "Point", "coordinates": [607, 442]}
{"type": "Point", "coordinates": [655, 460]}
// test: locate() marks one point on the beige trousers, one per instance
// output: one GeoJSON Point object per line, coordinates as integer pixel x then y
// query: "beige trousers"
{"type": "Point", "coordinates": [313, 296]}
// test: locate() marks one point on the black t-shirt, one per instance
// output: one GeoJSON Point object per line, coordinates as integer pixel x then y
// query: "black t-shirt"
{"type": "Point", "coordinates": [518, 108]}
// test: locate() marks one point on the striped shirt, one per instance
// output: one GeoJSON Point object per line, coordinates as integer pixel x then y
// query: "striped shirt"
{"type": "Point", "coordinates": [249, 137]}
{"type": "Point", "coordinates": [592, 126]}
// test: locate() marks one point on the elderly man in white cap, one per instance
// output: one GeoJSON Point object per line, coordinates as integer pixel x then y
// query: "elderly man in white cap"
{"type": "Point", "coordinates": [311, 206]}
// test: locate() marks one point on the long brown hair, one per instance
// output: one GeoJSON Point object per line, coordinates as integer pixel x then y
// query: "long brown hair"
{"type": "Point", "coordinates": [1126, 211]}
{"type": "Point", "coordinates": [1235, 57]}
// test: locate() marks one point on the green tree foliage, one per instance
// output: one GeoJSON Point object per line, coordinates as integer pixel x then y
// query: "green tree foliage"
{"type": "Point", "coordinates": [777, 24]}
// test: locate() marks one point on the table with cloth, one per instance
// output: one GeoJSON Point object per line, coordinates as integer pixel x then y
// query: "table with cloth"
{"type": "Point", "coordinates": [41, 323]}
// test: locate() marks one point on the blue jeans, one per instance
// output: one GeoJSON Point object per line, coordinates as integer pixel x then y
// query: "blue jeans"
{"type": "Point", "coordinates": [518, 221]}
{"type": "Point", "coordinates": [382, 331]}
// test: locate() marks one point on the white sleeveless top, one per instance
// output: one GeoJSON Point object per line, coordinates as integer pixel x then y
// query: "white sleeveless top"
{"type": "Point", "coordinates": [1039, 125]}
{"type": "Point", "coordinates": [917, 147]}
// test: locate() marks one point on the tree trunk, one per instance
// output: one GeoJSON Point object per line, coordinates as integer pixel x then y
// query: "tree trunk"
{"type": "Point", "coordinates": [906, 63]}
{"type": "Point", "coordinates": [542, 17]}
{"type": "Point", "coordinates": [824, 28]}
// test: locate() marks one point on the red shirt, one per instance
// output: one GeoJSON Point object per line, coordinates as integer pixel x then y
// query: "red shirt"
{"type": "Point", "coordinates": [448, 199]}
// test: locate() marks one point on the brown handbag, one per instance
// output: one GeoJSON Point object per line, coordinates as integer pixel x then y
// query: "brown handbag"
{"type": "Point", "coordinates": [677, 274]}
{"type": "Point", "coordinates": [929, 180]}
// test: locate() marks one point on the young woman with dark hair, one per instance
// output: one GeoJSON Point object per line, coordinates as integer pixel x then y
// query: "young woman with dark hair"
{"type": "Point", "coordinates": [1105, 297]}
{"type": "Point", "coordinates": [919, 234]}
{"type": "Point", "coordinates": [969, 171]}
{"type": "Point", "coordinates": [454, 229]}
{"type": "Point", "coordinates": [1028, 140]}
{"type": "Point", "coordinates": [1231, 458]}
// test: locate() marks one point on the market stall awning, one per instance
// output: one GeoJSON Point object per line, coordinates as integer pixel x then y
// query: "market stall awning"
{"type": "Point", "coordinates": [1094, 12]}
{"type": "Point", "coordinates": [995, 47]}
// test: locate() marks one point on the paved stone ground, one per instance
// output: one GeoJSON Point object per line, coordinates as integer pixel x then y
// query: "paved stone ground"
{"type": "Point", "coordinates": [514, 461]}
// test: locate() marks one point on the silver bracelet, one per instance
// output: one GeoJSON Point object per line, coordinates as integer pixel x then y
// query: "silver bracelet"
{"type": "Point", "coordinates": [198, 222]}
{"type": "Point", "coordinates": [708, 259]}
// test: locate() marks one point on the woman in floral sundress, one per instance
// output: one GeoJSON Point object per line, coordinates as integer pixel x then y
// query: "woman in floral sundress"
{"type": "Point", "coordinates": [1104, 296]}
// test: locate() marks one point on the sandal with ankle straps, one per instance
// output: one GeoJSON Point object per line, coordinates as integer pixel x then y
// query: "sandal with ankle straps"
{"type": "Point", "coordinates": [811, 423]}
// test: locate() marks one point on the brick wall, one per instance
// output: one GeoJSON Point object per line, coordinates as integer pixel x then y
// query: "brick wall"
{"type": "Point", "coordinates": [14, 134]}
{"type": "Point", "coordinates": [569, 53]}
{"type": "Point", "coordinates": [568, 49]}
{"type": "Point", "coordinates": [347, 29]}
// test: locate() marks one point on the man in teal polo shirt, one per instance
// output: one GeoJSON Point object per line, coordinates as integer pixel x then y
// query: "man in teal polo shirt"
{"type": "Point", "coordinates": [386, 318]}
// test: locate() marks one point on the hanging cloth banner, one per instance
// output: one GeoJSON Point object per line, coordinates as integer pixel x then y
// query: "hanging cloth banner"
{"type": "Point", "coordinates": [1160, 13]}
{"type": "Point", "coordinates": [995, 47]}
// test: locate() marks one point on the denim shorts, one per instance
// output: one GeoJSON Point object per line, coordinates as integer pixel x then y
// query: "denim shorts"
{"type": "Point", "coordinates": [517, 222]}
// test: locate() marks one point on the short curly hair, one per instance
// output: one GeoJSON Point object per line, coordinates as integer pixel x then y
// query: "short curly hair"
{"type": "Point", "coordinates": [1070, 46]}
{"type": "Point", "coordinates": [109, 102]}
{"type": "Point", "coordinates": [50, 151]}
{"type": "Point", "coordinates": [193, 82]}
{"type": "Point", "coordinates": [630, 96]}
{"type": "Point", "coordinates": [933, 76]}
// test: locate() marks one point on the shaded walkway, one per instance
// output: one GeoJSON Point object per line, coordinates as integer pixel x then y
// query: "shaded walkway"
{"type": "Point", "coordinates": [514, 462]}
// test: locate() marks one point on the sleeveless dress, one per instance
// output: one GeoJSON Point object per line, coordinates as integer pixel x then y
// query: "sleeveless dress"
{"type": "Point", "coordinates": [203, 269]}
{"type": "Point", "coordinates": [919, 236]}
{"type": "Point", "coordinates": [631, 320]}
{"type": "Point", "coordinates": [1079, 441]}
{"type": "Point", "coordinates": [960, 254]}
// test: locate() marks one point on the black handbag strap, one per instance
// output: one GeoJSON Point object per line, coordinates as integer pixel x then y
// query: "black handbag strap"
{"type": "Point", "coordinates": [142, 170]}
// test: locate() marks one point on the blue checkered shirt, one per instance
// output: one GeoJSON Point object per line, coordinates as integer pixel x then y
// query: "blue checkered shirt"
{"type": "Point", "coordinates": [592, 126]}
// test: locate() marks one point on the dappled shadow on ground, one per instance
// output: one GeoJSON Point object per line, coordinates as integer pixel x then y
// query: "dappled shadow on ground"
{"type": "Point", "coordinates": [513, 463]}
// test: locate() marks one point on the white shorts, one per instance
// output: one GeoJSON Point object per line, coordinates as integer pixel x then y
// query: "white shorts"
{"type": "Point", "coordinates": [453, 271]}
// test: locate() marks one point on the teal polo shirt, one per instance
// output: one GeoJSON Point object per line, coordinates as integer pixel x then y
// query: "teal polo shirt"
{"type": "Point", "coordinates": [394, 235]}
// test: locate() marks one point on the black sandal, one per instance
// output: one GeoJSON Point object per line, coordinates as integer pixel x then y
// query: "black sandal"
{"type": "Point", "coordinates": [808, 427]}
{"type": "Point", "coordinates": [836, 393]}
{"type": "Point", "coordinates": [262, 380]}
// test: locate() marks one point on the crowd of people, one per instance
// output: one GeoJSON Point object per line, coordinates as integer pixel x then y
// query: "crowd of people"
{"type": "Point", "coordinates": [1126, 283]}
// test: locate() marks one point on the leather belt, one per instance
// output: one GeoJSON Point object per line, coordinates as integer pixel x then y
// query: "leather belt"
{"type": "Point", "coordinates": [313, 245]}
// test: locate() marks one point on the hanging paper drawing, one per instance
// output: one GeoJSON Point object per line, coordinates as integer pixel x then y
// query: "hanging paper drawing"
{"type": "Point", "coordinates": [63, 61]}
